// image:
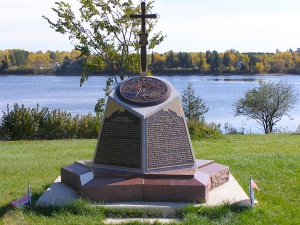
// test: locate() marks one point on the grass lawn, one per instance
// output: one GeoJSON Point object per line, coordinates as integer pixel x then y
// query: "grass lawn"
{"type": "Point", "coordinates": [273, 161]}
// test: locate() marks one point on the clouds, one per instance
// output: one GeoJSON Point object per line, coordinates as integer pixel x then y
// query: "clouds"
{"type": "Point", "coordinates": [23, 27]}
{"type": "Point", "coordinates": [242, 25]}
{"type": "Point", "coordinates": [190, 25]}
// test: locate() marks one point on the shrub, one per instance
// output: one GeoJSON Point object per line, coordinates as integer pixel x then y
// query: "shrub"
{"type": "Point", "coordinates": [23, 123]}
{"type": "Point", "coordinates": [229, 129]}
{"type": "Point", "coordinates": [201, 130]}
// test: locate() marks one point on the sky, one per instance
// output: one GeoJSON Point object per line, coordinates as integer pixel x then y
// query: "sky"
{"type": "Point", "coordinates": [190, 25]}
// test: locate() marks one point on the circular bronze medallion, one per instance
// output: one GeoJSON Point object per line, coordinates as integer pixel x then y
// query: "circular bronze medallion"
{"type": "Point", "coordinates": [143, 91]}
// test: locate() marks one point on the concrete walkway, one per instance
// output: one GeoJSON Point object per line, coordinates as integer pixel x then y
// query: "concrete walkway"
{"type": "Point", "coordinates": [57, 194]}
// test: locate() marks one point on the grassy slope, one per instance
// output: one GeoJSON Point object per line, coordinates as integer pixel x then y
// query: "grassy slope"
{"type": "Point", "coordinates": [272, 161]}
{"type": "Point", "coordinates": [37, 162]}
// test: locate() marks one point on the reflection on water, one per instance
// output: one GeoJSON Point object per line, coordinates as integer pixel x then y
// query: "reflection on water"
{"type": "Point", "coordinates": [235, 79]}
{"type": "Point", "coordinates": [218, 92]}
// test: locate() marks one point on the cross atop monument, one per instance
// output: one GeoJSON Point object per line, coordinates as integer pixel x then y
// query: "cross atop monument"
{"type": "Point", "coordinates": [143, 37]}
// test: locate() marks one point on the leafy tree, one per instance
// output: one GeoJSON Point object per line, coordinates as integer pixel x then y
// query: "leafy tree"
{"type": "Point", "coordinates": [158, 65]}
{"type": "Point", "coordinates": [158, 62]}
{"type": "Point", "coordinates": [105, 31]}
{"type": "Point", "coordinates": [39, 59]}
{"type": "Point", "coordinates": [5, 63]}
{"type": "Point", "coordinates": [287, 56]}
{"type": "Point", "coordinates": [12, 59]}
{"type": "Point", "coordinates": [259, 67]}
{"type": "Point", "coordinates": [245, 62]}
{"type": "Point", "coordinates": [194, 108]}
{"type": "Point", "coordinates": [267, 103]}
{"type": "Point", "coordinates": [21, 57]}
{"type": "Point", "coordinates": [278, 66]}
{"type": "Point", "coordinates": [72, 66]}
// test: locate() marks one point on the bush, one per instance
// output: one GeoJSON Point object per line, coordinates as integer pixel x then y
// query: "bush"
{"type": "Point", "coordinates": [201, 130]}
{"type": "Point", "coordinates": [23, 123]}
{"type": "Point", "coordinates": [229, 129]}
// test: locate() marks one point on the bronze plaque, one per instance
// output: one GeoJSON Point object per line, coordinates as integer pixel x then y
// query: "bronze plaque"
{"type": "Point", "coordinates": [143, 91]}
{"type": "Point", "coordinates": [167, 141]}
{"type": "Point", "coordinates": [119, 143]}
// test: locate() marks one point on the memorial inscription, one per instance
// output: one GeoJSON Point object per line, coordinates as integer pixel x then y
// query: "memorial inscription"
{"type": "Point", "coordinates": [167, 141]}
{"type": "Point", "coordinates": [120, 141]}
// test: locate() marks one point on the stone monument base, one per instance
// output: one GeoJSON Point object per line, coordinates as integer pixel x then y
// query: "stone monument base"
{"type": "Point", "coordinates": [144, 152]}
{"type": "Point", "coordinates": [177, 185]}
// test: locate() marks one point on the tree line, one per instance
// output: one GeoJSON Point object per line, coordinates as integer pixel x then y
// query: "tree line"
{"type": "Point", "coordinates": [231, 61]}
{"type": "Point", "coordinates": [16, 61]}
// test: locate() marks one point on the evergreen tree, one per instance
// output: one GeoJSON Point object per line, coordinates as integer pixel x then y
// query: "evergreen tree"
{"type": "Point", "coordinates": [226, 59]}
{"type": "Point", "coordinates": [208, 57]}
{"type": "Point", "coordinates": [194, 108]}
{"type": "Point", "coordinates": [188, 62]}
{"type": "Point", "coordinates": [180, 57]}
{"type": "Point", "coordinates": [201, 63]}
{"type": "Point", "coordinates": [53, 56]}
{"type": "Point", "coordinates": [216, 61]}
{"type": "Point", "coordinates": [152, 60]}
{"type": "Point", "coordinates": [170, 60]}
{"type": "Point", "coordinates": [252, 62]}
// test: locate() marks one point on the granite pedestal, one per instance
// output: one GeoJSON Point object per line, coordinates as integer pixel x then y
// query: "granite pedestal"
{"type": "Point", "coordinates": [181, 185]}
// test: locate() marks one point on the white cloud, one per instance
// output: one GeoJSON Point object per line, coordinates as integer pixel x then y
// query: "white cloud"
{"type": "Point", "coordinates": [190, 25]}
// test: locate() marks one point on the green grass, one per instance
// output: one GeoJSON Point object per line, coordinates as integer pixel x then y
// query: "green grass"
{"type": "Point", "coordinates": [273, 161]}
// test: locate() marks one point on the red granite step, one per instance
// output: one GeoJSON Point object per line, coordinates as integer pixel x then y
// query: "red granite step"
{"type": "Point", "coordinates": [219, 174]}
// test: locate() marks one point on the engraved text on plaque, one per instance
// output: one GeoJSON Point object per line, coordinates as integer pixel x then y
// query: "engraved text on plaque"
{"type": "Point", "coordinates": [167, 141]}
{"type": "Point", "coordinates": [120, 141]}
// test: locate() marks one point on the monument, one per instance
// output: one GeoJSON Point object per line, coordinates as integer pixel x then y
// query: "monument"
{"type": "Point", "coordinates": [144, 152]}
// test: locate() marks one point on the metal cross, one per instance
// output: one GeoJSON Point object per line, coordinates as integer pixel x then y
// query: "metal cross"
{"type": "Point", "coordinates": [143, 37]}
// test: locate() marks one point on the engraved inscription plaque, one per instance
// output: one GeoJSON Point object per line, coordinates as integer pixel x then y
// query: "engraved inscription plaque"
{"type": "Point", "coordinates": [167, 141]}
{"type": "Point", "coordinates": [120, 141]}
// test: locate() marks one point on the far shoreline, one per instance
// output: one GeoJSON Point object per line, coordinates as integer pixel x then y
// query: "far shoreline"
{"type": "Point", "coordinates": [162, 74]}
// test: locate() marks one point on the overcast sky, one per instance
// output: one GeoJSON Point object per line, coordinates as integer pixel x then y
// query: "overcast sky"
{"type": "Point", "coordinates": [190, 25]}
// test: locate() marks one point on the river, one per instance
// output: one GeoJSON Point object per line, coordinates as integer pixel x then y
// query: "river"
{"type": "Point", "coordinates": [218, 92]}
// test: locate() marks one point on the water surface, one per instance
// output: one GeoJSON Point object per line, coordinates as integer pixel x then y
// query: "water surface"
{"type": "Point", "coordinates": [218, 92]}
